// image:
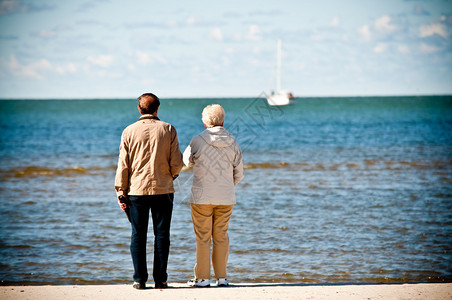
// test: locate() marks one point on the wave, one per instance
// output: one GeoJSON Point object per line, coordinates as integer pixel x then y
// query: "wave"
{"type": "Point", "coordinates": [360, 165]}
{"type": "Point", "coordinates": [34, 171]}
{"type": "Point", "coordinates": [266, 165]}
{"type": "Point", "coordinates": [388, 165]}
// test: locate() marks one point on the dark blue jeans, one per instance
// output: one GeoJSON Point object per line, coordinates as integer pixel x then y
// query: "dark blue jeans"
{"type": "Point", "coordinates": [161, 207]}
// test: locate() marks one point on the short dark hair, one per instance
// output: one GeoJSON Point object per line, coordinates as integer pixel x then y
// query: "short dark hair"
{"type": "Point", "coordinates": [148, 103]}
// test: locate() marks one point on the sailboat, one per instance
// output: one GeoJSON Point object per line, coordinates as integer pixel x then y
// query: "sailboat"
{"type": "Point", "coordinates": [279, 96]}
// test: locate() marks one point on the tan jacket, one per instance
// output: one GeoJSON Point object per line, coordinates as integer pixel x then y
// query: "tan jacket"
{"type": "Point", "coordinates": [149, 158]}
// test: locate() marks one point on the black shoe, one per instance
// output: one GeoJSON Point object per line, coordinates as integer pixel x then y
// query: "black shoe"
{"type": "Point", "coordinates": [161, 285]}
{"type": "Point", "coordinates": [139, 285]}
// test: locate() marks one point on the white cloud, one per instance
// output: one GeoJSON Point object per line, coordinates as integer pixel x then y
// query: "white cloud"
{"type": "Point", "coordinates": [429, 30]}
{"type": "Point", "coordinates": [381, 27]}
{"type": "Point", "coordinates": [29, 71]}
{"type": "Point", "coordinates": [380, 48]}
{"type": "Point", "coordinates": [365, 32]}
{"type": "Point", "coordinates": [157, 58]}
{"type": "Point", "coordinates": [42, 64]}
{"type": "Point", "coordinates": [191, 21]}
{"type": "Point", "coordinates": [142, 58]}
{"type": "Point", "coordinates": [428, 48]}
{"type": "Point", "coordinates": [69, 68]}
{"type": "Point", "coordinates": [335, 22]}
{"type": "Point", "coordinates": [101, 60]}
{"type": "Point", "coordinates": [254, 34]}
{"type": "Point", "coordinates": [216, 34]}
{"type": "Point", "coordinates": [403, 49]}
{"type": "Point", "coordinates": [383, 24]}
{"type": "Point", "coordinates": [33, 70]}
{"type": "Point", "coordinates": [149, 58]}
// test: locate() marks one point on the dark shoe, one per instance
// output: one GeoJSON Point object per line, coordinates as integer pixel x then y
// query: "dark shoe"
{"type": "Point", "coordinates": [139, 285]}
{"type": "Point", "coordinates": [161, 285]}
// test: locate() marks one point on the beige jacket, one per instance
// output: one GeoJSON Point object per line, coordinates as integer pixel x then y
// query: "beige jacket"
{"type": "Point", "coordinates": [217, 166]}
{"type": "Point", "coordinates": [149, 158]}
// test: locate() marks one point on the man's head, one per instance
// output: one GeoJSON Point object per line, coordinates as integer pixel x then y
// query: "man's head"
{"type": "Point", "coordinates": [213, 115]}
{"type": "Point", "coordinates": [148, 104]}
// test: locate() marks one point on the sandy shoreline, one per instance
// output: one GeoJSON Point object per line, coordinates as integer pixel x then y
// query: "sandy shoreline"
{"type": "Point", "coordinates": [236, 291]}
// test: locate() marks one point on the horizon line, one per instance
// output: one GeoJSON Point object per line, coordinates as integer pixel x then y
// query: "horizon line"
{"type": "Point", "coordinates": [262, 95]}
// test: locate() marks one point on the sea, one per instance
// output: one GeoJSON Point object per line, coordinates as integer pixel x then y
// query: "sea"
{"type": "Point", "coordinates": [336, 190]}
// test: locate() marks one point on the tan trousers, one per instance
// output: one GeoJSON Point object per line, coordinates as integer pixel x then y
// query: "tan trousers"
{"type": "Point", "coordinates": [211, 222]}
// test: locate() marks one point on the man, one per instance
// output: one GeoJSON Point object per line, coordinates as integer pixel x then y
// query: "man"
{"type": "Point", "coordinates": [149, 161]}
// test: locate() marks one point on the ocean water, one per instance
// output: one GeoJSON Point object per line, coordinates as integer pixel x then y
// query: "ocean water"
{"type": "Point", "coordinates": [336, 190]}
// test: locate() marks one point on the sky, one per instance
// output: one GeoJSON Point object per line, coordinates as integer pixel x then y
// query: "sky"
{"type": "Point", "coordinates": [178, 49]}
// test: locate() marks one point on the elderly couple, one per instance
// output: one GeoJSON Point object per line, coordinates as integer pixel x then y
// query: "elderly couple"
{"type": "Point", "coordinates": [149, 161]}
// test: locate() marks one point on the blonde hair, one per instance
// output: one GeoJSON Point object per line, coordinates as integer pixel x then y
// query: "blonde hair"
{"type": "Point", "coordinates": [213, 115]}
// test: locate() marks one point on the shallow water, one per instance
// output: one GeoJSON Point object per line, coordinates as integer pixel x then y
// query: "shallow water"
{"type": "Point", "coordinates": [335, 190]}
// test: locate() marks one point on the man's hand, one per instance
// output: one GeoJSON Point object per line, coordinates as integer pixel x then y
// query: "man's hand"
{"type": "Point", "coordinates": [122, 205]}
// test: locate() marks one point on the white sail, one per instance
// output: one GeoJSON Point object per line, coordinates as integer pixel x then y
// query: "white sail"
{"type": "Point", "coordinates": [279, 96]}
{"type": "Point", "coordinates": [278, 66]}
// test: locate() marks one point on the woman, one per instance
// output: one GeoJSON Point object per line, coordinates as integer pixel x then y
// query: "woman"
{"type": "Point", "coordinates": [217, 168]}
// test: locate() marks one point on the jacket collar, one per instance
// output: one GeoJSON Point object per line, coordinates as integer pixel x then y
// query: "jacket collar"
{"type": "Point", "coordinates": [144, 117]}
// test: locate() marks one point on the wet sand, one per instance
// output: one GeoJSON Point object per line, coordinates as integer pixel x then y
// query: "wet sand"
{"type": "Point", "coordinates": [243, 291]}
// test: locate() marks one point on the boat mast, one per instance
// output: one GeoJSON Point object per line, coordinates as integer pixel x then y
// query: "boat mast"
{"type": "Point", "coordinates": [278, 67]}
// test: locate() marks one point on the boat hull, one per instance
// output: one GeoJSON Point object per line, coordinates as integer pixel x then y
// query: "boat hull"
{"type": "Point", "coordinates": [278, 99]}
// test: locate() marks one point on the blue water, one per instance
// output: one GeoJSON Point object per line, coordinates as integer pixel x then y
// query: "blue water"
{"type": "Point", "coordinates": [335, 190]}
